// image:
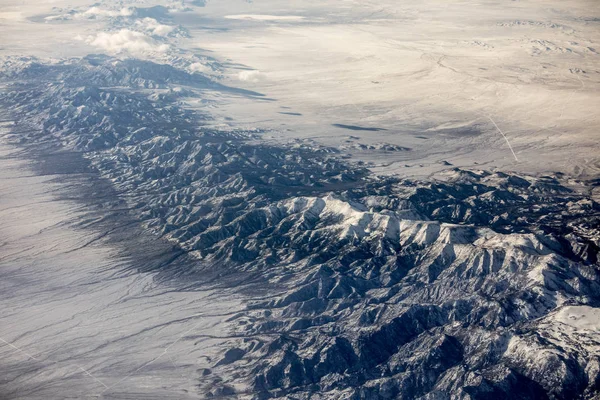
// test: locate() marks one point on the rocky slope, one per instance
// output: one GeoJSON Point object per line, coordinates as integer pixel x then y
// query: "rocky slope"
{"type": "Point", "coordinates": [359, 287]}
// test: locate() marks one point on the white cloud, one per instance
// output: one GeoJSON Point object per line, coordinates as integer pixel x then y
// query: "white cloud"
{"type": "Point", "coordinates": [179, 8]}
{"type": "Point", "coordinates": [100, 12]}
{"type": "Point", "coordinates": [251, 76]}
{"type": "Point", "coordinates": [199, 67]}
{"type": "Point", "coordinates": [153, 27]}
{"type": "Point", "coordinates": [128, 41]}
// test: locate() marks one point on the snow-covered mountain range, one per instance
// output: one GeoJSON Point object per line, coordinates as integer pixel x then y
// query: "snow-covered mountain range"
{"type": "Point", "coordinates": [470, 284]}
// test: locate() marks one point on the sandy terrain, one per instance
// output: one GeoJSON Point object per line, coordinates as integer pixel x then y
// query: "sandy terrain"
{"type": "Point", "coordinates": [457, 83]}
{"type": "Point", "coordinates": [78, 320]}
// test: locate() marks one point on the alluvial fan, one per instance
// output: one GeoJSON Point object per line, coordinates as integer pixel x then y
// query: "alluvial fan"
{"type": "Point", "coordinates": [473, 285]}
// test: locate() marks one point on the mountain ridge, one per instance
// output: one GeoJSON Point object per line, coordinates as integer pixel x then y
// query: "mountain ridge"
{"type": "Point", "coordinates": [385, 287]}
